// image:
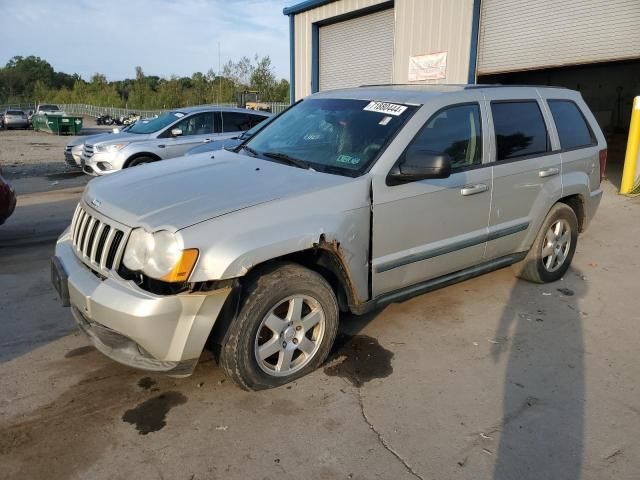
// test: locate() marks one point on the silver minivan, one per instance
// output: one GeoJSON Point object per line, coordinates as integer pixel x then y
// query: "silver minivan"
{"type": "Point", "coordinates": [349, 200]}
{"type": "Point", "coordinates": [169, 135]}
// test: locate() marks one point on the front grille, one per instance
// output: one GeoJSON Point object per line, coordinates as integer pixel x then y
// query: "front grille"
{"type": "Point", "coordinates": [88, 150]}
{"type": "Point", "coordinates": [96, 242]}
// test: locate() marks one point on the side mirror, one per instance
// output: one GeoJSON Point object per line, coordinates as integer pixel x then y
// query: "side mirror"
{"type": "Point", "coordinates": [420, 165]}
{"type": "Point", "coordinates": [176, 132]}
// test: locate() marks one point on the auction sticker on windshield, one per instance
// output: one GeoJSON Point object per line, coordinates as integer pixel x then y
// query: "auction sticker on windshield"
{"type": "Point", "coordinates": [386, 108]}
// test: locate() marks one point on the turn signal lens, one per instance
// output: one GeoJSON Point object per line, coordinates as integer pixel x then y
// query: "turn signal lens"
{"type": "Point", "coordinates": [183, 267]}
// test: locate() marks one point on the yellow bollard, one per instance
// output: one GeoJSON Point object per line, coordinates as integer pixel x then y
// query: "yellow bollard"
{"type": "Point", "coordinates": [631, 158]}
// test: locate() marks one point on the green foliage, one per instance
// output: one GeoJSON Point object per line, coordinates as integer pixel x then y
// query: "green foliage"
{"type": "Point", "coordinates": [32, 79]}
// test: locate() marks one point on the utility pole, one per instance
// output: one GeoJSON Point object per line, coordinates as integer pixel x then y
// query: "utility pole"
{"type": "Point", "coordinates": [219, 74]}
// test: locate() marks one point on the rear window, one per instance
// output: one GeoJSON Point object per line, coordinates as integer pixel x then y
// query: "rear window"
{"type": "Point", "coordinates": [520, 129]}
{"type": "Point", "coordinates": [571, 125]}
{"type": "Point", "coordinates": [15, 112]}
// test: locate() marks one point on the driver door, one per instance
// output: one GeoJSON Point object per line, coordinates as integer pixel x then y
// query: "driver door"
{"type": "Point", "coordinates": [428, 228]}
{"type": "Point", "coordinates": [196, 129]}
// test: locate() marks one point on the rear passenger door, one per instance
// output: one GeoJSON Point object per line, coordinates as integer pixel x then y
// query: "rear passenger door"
{"type": "Point", "coordinates": [527, 167]}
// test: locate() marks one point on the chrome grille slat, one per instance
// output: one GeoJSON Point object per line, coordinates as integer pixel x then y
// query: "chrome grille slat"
{"type": "Point", "coordinates": [97, 241]}
{"type": "Point", "coordinates": [85, 236]}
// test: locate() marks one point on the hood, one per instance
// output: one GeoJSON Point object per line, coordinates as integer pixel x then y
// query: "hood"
{"type": "Point", "coordinates": [93, 139]}
{"type": "Point", "coordinates": [176, 193]}
{"type": "Point", "coordinates": [111, 137]}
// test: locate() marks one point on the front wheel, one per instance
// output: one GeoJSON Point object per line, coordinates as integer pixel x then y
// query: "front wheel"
{"type": "Point", "coordinates": [140, 161]}
{"type": "Point", "coordinates": [285, 328]}
{"type": "Point", "coordinates": [553, 248]}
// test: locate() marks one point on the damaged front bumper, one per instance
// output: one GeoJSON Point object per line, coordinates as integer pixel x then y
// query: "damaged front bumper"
{"type": "Point", "coordinates": [132, 326]}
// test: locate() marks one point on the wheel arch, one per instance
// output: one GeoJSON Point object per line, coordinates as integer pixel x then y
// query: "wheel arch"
{"type": "Point", "coordinates": [138, 155]}
{"type": "Point", "coordinates": [576, 202]}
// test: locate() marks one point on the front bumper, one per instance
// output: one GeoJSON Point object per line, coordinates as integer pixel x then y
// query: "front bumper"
{"type": "Point", "coordinates": [135, 327]}
{"type": "Point", "coordinates": [102, 163]}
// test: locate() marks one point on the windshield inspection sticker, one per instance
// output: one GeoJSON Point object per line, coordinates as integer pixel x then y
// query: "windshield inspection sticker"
{"type": "Point", "coordinates": [348, 159]}
{"type": "Point", "coordinates": [386, 108]}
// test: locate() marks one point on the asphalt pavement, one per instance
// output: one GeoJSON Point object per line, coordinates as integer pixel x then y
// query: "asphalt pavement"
{"type": "Point", "coordinates": [492, 378]}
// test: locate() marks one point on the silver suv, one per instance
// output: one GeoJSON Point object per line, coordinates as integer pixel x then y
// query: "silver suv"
{"type": "Point", "coordinates": [350, 200]}
{"type": "Point", "coordinates": [170, 135]}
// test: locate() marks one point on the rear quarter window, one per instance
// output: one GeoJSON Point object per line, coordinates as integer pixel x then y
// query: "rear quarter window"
{"type": "Point", "coordinates": [572, 127]}
{"type": "Point", "coordinates": [520, 129]}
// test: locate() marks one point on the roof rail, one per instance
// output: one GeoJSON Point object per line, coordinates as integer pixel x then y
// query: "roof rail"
{"type": "Point", "coordinates": [466, 86]}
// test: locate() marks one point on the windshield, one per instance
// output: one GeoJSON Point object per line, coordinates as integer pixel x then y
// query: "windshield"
{"type": "Point", "coordinates": [49, 108]}
{"type": "Point", "coordinates": [332, 135]}
{"type": "Point", "coordinates": [156, 124]}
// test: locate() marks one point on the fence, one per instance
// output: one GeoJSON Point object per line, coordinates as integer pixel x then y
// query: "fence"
{"type": "Point", "coordinates": [95, 111]}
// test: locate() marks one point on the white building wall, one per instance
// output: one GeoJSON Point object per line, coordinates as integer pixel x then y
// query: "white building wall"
{"type": "Point", "coordinates": [430, 26]}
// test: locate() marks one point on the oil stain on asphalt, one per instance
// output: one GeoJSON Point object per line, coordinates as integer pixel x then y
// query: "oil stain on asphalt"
{"type": "Point", "coordinates": [359, 359]}
{"type": "Point", "coordinates": [150, 416]}
{"type": "Point", "coordinates": [146, 383]}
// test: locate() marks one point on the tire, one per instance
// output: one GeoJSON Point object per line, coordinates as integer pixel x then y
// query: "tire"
{"type": "Point", "coordinates": [140, 161]}
{"type": "Point", "coordinates": [267, 306]}
{"type": "Point", "coordinates": [550, 256]}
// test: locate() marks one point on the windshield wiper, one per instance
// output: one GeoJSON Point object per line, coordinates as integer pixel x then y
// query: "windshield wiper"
{"type": "Point", "coordinates": [288, 159]}
{"type": "Point", "coordinates": [248, 149]}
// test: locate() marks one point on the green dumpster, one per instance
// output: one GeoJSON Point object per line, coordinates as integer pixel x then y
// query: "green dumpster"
{"type": "Point", "coordinates": [57, 124]}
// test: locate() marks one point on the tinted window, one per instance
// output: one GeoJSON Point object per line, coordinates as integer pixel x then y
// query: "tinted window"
{"type": "Point", "coordinates": [455, 131]}
{"type": "Point", "coordinates": [235, 122]}
{"type": "Point", "coordinates": [256, 119]}
{"type": "Point", "coordinates": [198, 124]}
{"type": "Point", "coordinates": [571, 125]}
{"type": "Point", "coordinates": [520, 129]}
{"type": "Point", "coordinates": [15, 112]}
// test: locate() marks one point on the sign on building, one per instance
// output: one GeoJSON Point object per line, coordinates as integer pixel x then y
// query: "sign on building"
{"type": "Point", "coordinates": [432, 66]}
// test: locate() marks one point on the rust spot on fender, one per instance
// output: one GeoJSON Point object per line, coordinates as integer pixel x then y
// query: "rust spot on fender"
{"type": "Point", "coordinates": [333, 246]}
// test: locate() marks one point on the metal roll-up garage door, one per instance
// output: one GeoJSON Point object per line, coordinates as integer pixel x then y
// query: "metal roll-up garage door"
{"type": "Point", "coordinates": [525, 35]}
{"type": "Point", "coordinates": [356, 52]}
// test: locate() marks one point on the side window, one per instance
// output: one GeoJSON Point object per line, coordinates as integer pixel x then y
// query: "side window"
{"type": "Point", "coordinates": [571, 125]}
{"type": "Point", "coordinates": [235, 122]}
{"type": "Point", "coordinates": [198, 124]}
{"type": "Point", "coordinates": [520, 129]}
{"type": "Point", "coordinates": [256, 119]}
{"type": "Point", "coordinates": [455, 131]}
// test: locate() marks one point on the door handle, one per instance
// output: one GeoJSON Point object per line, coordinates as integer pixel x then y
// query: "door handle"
{"type": "Point", "coordinates": [549, 172]}
{"type": "Point", "coordinates": [206, 140]}
{"type": "Point", "coordinates": [161, 146]}
{"type": "Point", "coordinates": [473, 189]}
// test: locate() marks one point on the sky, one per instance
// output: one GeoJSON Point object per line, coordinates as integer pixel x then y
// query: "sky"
{"type": "Point", "coordinates": [164, 37]}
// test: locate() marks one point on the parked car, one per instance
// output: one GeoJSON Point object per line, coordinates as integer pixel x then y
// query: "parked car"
{"type": "Point", "coordinates": [229, 143]}
{"type": "Point", "coordinates": [1, 119]}
{"type": "Point", "coordinates": [14, 118]}
{"type": "Point", "coordinates": [48, 109]}
{"type": "Point", "coordinates": [170, 135]}
{"type": "Point", "coordinates": [350, 200]}
{"type": "Point", "coordinates": [7, 199]}
{"type": "Point", "coordinates": [73, 150]}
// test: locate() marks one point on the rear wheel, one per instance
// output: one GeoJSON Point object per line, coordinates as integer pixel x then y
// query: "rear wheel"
{"type": "Point", "coordinates": [553, 248]}
{"type": "Point", "coordinates": [285, 328]}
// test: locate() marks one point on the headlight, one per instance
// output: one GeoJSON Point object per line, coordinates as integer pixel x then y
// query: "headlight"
{"type": "Point", "coordinates": [111, 148]}
{"type": "Point", "coordinates": [159, 256]}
